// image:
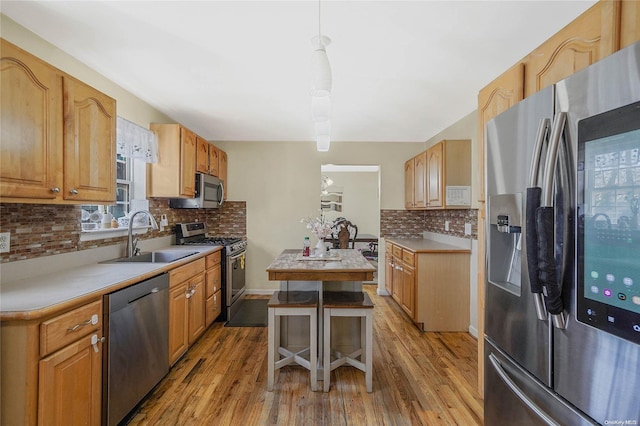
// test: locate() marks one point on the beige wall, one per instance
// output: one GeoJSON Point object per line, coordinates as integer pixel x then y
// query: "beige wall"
{"type": "Point", "coordinates": [128, 106]}
{"type": "Point", "coordinates": [280, 181]}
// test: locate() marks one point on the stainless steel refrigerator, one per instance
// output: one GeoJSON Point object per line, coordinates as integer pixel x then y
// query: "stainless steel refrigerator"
{"type": "Point", "coordinates": [562, 307]}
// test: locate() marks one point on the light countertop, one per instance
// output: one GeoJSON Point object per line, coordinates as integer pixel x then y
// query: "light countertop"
{"type": "Point", "coordinates": [423, 245]}
{"type": "Point", "coordinates": [351, 265]}
{"type": "Point", "coordinates": [41, 295]}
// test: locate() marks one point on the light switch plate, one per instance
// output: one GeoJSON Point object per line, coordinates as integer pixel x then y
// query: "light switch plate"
{"type": "Point", "coordinates": [467, 229]}
{"type": "Point", "coordinates": [5, 242]}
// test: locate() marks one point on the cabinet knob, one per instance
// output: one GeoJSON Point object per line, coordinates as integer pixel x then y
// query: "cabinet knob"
{"type": "Point", "coordinates": [74, 191]}
{"type": "Point", "coordinates": [55, 190]}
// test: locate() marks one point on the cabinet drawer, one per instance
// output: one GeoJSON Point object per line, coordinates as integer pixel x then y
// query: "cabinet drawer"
{"type": "Point", "coordinates": [187, 271]}
{"type": "Point", "coordinates": [212, 280]}
{"type": "Point", "coordinates": [67, 328]}
{"type": "Point", "coordinates": [408, 257]}
{"type": "Point", "coordinates": [397, 251]}
{"type": "Point", "coordinates": [212, 260]}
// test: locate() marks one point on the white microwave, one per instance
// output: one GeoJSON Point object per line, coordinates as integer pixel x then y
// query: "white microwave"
{"type": "Point", "coordinates": [209, 194]}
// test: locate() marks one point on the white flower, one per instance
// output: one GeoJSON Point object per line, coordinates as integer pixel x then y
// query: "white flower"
{"type": "Point", "coordinates": [319, 226]}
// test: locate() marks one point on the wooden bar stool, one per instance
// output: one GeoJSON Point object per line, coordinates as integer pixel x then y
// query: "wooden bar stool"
{"type": "Point", "coordinates": [293, 303]}
{"type": "Point", "coordinates": [349, 304]}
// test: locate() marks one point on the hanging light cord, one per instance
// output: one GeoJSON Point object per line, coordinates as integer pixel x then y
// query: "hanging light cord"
{"type": "Point", "coordinates": [319, 32]}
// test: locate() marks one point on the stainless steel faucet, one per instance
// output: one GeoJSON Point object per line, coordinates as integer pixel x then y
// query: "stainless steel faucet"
{"type": "Point", "coordinates": [131, 249]}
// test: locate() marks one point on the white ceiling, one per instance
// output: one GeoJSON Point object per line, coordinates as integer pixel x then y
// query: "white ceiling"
{"type": "Point", "coordinates": [240, 70]}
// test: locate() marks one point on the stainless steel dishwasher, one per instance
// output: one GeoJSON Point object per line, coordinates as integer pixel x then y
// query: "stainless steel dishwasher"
{"type": "Point", "coordinates": [137, 354]}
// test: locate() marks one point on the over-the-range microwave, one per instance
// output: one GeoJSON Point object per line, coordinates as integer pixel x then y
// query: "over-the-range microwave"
{"type": "Point", "coordinates": [209, 194]}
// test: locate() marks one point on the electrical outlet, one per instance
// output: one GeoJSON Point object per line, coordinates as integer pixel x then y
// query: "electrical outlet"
{"type": "Point", "coordinates": [446, 225]}
{"type": "Point", "coordinates": [467, 229]}
{"type": "Point", "coordinates": [5, 242]}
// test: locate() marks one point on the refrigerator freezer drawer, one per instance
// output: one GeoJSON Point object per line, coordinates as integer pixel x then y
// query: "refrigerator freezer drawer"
{"type": "Point", "coordinates": [516, 397]}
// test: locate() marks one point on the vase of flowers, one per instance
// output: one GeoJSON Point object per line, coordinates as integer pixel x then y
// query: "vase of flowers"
{"type": "Point", "coordinates": [321, 228]}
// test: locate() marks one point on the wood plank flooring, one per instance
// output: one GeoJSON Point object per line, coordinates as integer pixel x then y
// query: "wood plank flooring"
{"type": "Point", "coordinates": [418, 379]}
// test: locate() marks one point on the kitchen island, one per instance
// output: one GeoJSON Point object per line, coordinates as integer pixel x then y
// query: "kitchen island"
{"type": "Point", "coordinates": [341, 265]}
{"type": "Point", "coordinates": [345, 270]}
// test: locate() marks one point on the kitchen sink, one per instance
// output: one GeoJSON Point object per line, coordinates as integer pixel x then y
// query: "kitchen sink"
{"type": "Point", "coordinates": [154, 257]}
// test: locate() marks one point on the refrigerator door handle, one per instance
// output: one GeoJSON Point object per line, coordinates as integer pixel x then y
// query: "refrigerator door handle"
{"type": "Point", "coordinates": [545, 228]}
{"type": "Point", "coordinates": [552, 156]}
{"type": "Point", "coordinates": [519, 393]}
{"type": "Point", "coordinates": [531, 237]}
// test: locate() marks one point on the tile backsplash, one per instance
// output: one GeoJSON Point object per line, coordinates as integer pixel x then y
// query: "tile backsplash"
{"type": "Point", "coordinates": [42, 230]}
{"type": "Point", "coordinates": [412, 223]}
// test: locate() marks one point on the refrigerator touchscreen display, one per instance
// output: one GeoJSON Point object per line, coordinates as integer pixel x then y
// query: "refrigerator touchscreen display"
{"type": "Point", "coordinates": [609, 230]}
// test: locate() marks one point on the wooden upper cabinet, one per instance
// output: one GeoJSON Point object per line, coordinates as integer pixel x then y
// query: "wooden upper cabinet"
{"type": "Point", "coordinates": [587, 39]}
{"type": "Point", "coordinates": [214, 160]}
{"type": "Point", "coordinates": [30, 126]}
{"type": "Point", "coordinates": [409, 188]}
{"type": "Point", "coordinates": [419, 180]}
{"type": "Point", "coordinates": [187, 162]}
{"type": "Point", "coordinates": [174, 173]}
{"type": "Point", "coordinates": [89, 143]}
{"type": "Point", "coordinates": [497, 97]}
{"type": "Point", "coordinates": [222, 171]}
{"type": "Point", "coordinates": [202, 155]}
{"type": "Point", "coordinates": [435, 175]}
{"type": "Point", "coordinates": [629, 22]}
{"type": "Point", "coordinates": [58, 135]}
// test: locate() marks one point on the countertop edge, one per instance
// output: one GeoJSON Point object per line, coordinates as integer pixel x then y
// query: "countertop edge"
{"type": "Point", "coordinates": [69, 304]}
{"type": "Point", "coordinates": [441, 247]}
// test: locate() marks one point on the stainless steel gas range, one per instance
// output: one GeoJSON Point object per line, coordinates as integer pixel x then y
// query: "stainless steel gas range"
{"type": "Point", "coordinates": [233, 261]}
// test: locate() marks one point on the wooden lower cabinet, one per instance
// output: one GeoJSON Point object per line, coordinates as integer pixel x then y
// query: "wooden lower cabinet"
{"type": "Point", "coordinates": [186, 307]}
{"type": "Point", "coordinates": [178, 318]}
{"type": "Point", "coordinates": [70, 388]}
{"type": "Point", "coordinates": [196, 308]}
{"type": "Point", "coordinates": [213, 289]}
{"type": "Point", "coordinates": [52, 368]}
{"type": "Point", "coordinates": [431, 287]}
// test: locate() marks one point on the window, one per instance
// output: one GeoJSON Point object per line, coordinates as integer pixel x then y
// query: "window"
{"type": "Point", "coordinates": [123, 186]}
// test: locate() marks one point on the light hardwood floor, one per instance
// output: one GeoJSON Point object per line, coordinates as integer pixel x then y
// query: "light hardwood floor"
{"type": "Point", "coordinates": [418, 378]}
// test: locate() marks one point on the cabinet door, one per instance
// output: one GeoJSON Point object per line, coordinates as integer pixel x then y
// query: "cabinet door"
{"type": "Point", "coordinates": [587, 39]}
{"type": "Point", "coordinates": [408, 290]}
{"type": "Point", "coordinates": [222, 171]}
{"type": "Point", "coordinates": [388, 271]}
{"type": "Point", "coordinates": [30, 126]}
{"type": "Point", "coordinates": [397, 280]}
{"type": "Point", "coordinates": [213, 307]}
{"type": "Point", "coordinates": [202, 155]}
{"type": "Point", "coordinates": [178, 321]}
{"type": "Point", "coordinates": [196, 308]}
{"type": "Point", "coordinates": [435, 174]}
{"type": "Point", "coordinates": [187, 163]}
{"type": "Point", "coordinates": [212, 280]}
{"type": "Point", "coordinates": [419, 180]}
{"type": "Point", "coordinates": [409, 190]}
{"type": "Point", "coordinates": [214, 160]}
{"type": "Point", "coordinates": [89, 143]}
{"type": "Point", "coordinates": [69, 392]}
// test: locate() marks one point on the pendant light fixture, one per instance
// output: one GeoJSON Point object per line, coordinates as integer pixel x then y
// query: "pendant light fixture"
{"type": "Point", "coordinates": [321, 88]}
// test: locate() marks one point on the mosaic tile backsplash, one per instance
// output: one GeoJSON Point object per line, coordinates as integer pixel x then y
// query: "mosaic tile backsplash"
{"type": "Point", "coordinates": [42, 230]}
{"type": "Point", "coordinates": [412, 223]}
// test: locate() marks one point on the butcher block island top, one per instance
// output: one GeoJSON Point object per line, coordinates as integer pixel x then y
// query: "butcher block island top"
{"type": "Point", "coordinates": [352, 266]}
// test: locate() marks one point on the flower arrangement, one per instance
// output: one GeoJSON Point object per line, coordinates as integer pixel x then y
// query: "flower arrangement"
{"type": "Point", "coordinates": [319, 226]}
